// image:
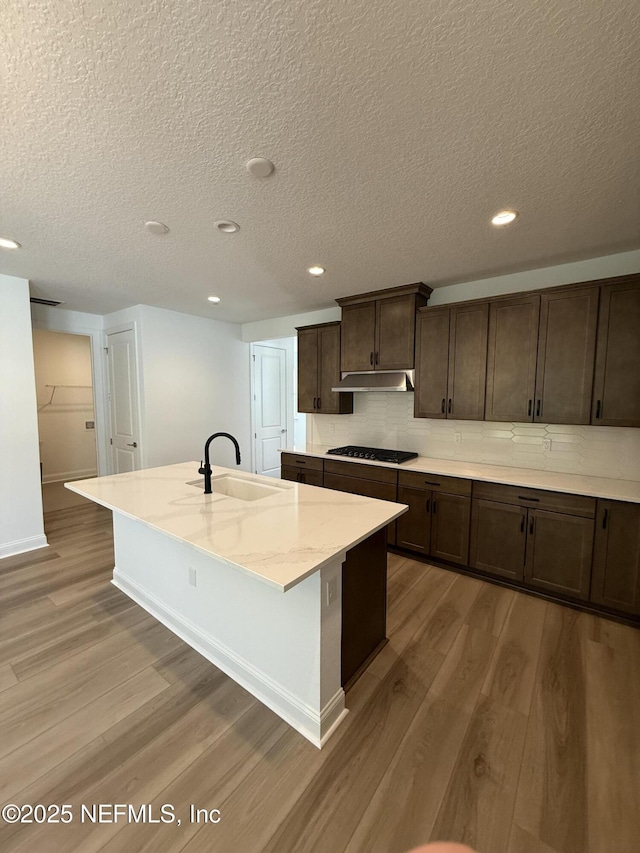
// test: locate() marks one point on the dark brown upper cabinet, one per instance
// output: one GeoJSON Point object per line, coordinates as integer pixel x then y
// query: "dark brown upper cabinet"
{"type": "Point", "coordinates": [616, 387]}
{"type": "Point", "coordinates": [451, 362]}
{"type": "Point", "coordinates": [511, 359]}
{"type": "Point", "coordinates": [378, 328]}
{"type": "Point", "coordinates": [319, 371]}
{"type": "Point", "coordinates": [566, 353]}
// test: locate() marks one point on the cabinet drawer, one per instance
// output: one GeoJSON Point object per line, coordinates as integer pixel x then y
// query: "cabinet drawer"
{"type": "Point", "coordinates": [433, 482]}
{"type": "Point", "coordinates": [364, 472]}
{"type": "Point", "coordinates": [535, 498]}
{"type": "Point", "coordinates": [311, 463]}
{"type": "Point", "coordinates": [356, 486]}
{"type": "Point", "coordinates": [301, 475]}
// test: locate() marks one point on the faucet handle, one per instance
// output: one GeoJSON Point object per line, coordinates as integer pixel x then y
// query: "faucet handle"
{"type": "Point", "coordinates": [201, 468]}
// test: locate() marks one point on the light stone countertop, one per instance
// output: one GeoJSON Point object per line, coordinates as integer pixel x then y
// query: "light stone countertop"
{"type": "Point", "coordinates": [575, 484]}
{"type": "Point", "coordinates": [279, 539]}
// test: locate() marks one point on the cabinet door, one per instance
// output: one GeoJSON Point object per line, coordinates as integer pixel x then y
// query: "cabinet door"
{"type": "Point", "coordinates": [432, 357]}
{"type": "Point", "coordinates": [616, 387]}
{"type": "Point", "coordinates": [511, 359]}
{"type": "Point", "coordinates": [311, 478]}
{"type": "Point", "coordinates": [616, 557]}
{"type": "Point", "coordinates": [559, 551]}
{"type": "Point", "coordinates": [468, 361]}
{"type": "Point", "coordinates": [498, 537]}
{"type": "Point", "coordinates": [331, 402]}
{"type": "Point", "coordinates": [566, 355]}
{"type": "Point", "coordinates": [288, 472]}
{"type": "Point", "coordinates": [307, 370]}
{"type": "Point", "coordinates": [450, 522]}
{"type": "Point", "coordinates": [358, 336]}
{"type": "Point", "coordinates": [368, 488]}
{"type": "Point", "coordinates": [395, 333]}
{"type": "Point", "coordinates": [413, 529]}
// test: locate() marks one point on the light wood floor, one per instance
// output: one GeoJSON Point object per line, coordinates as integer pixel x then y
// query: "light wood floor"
{"type": "Point", "coordinates": [491, 717]}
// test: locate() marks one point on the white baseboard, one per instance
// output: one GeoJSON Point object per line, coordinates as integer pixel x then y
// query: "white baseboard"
{"type": "Point", "coordinates": [19, 546]}
{"type": "Point", "coordinates": [65, 476]}
{"type": "Point", "coordinates": [315, 726]}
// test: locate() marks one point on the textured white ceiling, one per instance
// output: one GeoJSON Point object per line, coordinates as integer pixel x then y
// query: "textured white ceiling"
{"type": "Point", "coordinates": [398, 127]}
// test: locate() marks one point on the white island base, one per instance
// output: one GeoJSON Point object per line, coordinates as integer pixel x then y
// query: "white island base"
{"type": "Point", "coordinates": [283, 648]}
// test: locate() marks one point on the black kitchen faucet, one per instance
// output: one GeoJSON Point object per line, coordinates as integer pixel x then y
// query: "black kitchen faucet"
{"type": "Point", "coordinates": [206, 468]}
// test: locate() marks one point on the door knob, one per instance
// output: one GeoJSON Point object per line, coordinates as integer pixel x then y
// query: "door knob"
{"type": "Point", "coordinates": [135, 444]}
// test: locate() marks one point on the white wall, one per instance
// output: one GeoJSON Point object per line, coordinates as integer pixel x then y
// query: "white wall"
{"type": "Point", "coordinates": [21, 522]}
{"type": "Point", "coordinates": [285, 327]}
{"type": "Point", "coordinates": [195, 380]}
{"type": "Point", "coordinates": [386, 420]}
{"type": "Point", "coordinates": [64, 390]}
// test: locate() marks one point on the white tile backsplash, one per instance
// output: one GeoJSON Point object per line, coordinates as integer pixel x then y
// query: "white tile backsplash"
{"type": "Point", "coordinates": [386, 420]}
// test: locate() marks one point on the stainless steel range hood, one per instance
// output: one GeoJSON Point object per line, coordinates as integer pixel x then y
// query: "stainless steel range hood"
{"type": "Point", "coordinates": [379, 380]}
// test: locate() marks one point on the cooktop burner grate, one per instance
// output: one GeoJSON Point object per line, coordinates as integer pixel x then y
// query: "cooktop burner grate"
{"type": "Point", "coordinates": [375, 453]}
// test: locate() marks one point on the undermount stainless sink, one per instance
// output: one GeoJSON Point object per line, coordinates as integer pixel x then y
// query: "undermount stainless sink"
{"type": "Point", "coordinates": [239, 488]}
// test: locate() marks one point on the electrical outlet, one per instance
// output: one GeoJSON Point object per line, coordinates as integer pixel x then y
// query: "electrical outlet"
{"type": "Point", "coordinates": [457, 437]}
{"type": "Point", "coordinates": [332, 590]}
{"type": "Point", "coordinates": [546, 443]}
{"type": "Point", "coordinates": [192, 576]}
{"type": "Point", "coordinates": [332, 427]}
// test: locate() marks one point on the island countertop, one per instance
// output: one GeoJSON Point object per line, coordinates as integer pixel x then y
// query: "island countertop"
{"type": "Point", "coordinates": [279, 539]}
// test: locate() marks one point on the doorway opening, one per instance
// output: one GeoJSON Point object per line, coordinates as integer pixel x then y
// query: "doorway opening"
{"type": "Point", "coordinates": [276, 422]}
{"type": "Point", "coordinates": [66, 414]}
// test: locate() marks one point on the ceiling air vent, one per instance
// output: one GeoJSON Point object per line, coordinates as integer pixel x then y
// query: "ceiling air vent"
{"type": "Point", "coordinates": [53, 302]}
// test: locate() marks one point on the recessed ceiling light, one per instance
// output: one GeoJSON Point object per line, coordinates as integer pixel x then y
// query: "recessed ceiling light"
{"type": "Point", "coordinates": [504, 217]}
{"type": "Point", "coordinates": [6, 243]}
{"type": "Point", "coordinates": [154, 227]}
{"type": "Point", "coordinates": [316, 269]}
{"type": "Point", "coordinates": [227, 226]}
{"type": "Point", "coordinates": [259, 167]}
{"type": "Point", "coordinates": [214, 299]}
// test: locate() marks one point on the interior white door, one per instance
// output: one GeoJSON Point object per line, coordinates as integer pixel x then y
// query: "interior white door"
{"type": "Point", "coordinates": [123, 401]}
{"type": "Point", "coordinates": [270, 407]}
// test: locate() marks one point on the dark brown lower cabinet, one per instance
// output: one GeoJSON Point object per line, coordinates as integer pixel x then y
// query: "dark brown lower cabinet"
{"type": "Point", "coordinates": [364, 603]}
{"type": "Point", "coordinates": [302, 469]}
{"type": "Point", "coordinates": [545, 549]}
{"type": "Point", "coordinates": [302, 475]}
{"type": "Point", "coordinates": [559, 551]}
{"type": "Point", "coordinates": [616, 557]}
{"type": "Point", "coordinates": [437, 522]}
{"type": "Point", "coordinates": [498, 538]}
{"type": "Point", "coordinates": [367, 480]}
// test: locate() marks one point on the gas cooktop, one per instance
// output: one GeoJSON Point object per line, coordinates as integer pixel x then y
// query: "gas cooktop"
{"type": "Point", "coordinates": [375, 453]}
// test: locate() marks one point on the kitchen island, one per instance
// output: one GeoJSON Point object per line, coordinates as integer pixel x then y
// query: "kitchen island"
{"type": "Point", "coordinates": [251, 576]}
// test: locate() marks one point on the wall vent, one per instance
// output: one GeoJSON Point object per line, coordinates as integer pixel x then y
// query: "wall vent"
{"type": "Point", "coordinates": [53, 302]}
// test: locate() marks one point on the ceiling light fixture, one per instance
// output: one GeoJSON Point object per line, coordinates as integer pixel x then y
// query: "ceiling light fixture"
{"type": "Point", "coordinates": [214, 299]}
{"type": "Point", "coordinates": [316, 269]}
{"type": "Point", "coordinates": [226, 226]}
{"type": "Point", "coordinates": [6, 243]}
{"type": "Point", "coordinates": [155, 227]}
{"type": "Point", "coordinates": [504, 217]}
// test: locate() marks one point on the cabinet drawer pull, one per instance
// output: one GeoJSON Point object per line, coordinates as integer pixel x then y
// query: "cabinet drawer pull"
{"type": "Point", "coordinates": [301, 461]}
{"type": "Point", "coordinates": [524, 498]}
{"type": "Point", "coordinates": [529, 408]}
{"type": "Point", "coordinates": [522, 524]}
{"type": "Point", "coordinates": [449, 405]}
{"type": "Point", "coordinates": [443, 404]}
{"type": "Point", "coordinates": [604, 519]}
{"type": "Point", "coordinates": [531, 525]}
{"type": "Point", "coordinates": [371, 359]}
{"type": "Point", "coordinates": [538, 406]}
{"type": "Point", "coordinates": [598, 408]}
{"type": "Point", "coordinates": [431, 483]}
